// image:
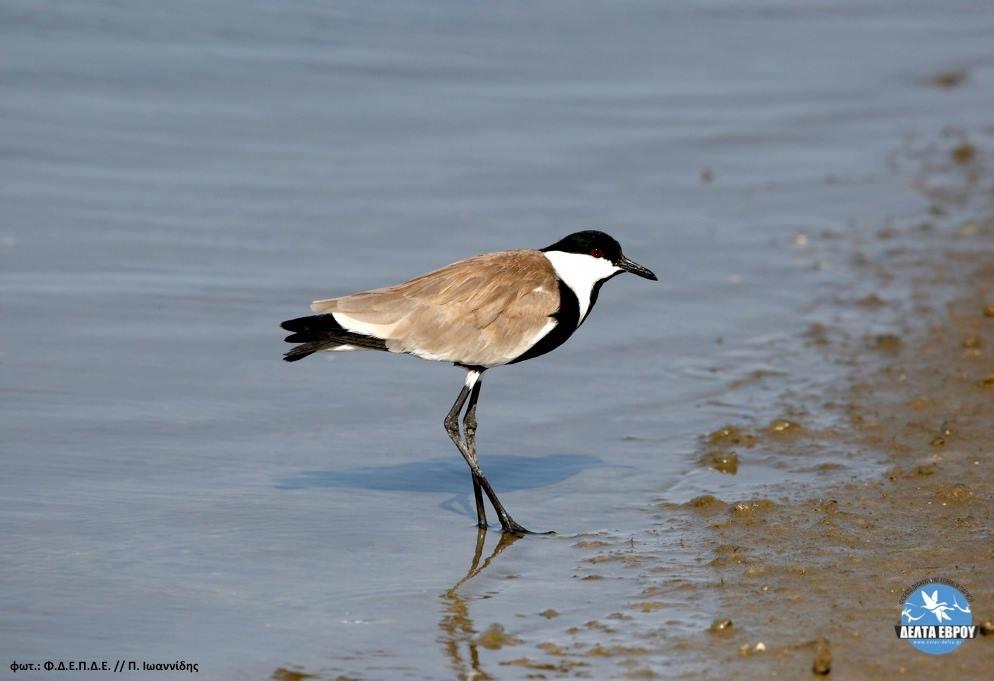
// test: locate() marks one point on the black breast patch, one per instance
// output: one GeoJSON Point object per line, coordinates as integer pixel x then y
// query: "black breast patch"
{"type": "Point", "coordinates": [567, 318]}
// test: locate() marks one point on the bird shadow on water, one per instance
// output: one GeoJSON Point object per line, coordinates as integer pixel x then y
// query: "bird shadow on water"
{"type": "Point", "coordinates": [507, 473]}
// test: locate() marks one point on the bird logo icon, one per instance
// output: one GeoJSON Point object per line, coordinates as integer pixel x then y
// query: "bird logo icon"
{"type": "Point", "coordinates": [932, 604]}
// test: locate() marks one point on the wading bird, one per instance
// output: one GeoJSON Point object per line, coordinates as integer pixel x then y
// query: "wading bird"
{"type": "Point", "coordinates": [479, 313]}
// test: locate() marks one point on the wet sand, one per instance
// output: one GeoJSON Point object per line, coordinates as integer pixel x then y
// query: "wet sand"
{"type": "Point", "coordinates": [816, 578]}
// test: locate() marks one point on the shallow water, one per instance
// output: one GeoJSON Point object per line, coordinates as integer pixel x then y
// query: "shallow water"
{"type": "Point", "coordinates": [176, 180]}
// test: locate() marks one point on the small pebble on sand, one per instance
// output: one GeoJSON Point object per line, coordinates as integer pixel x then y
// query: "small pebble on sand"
{"type": "Point", "coordinates": [783, 427]}
{"type": "Point", "coordinates": [752, 507]}
{"type": "Point", "coordinates": [964, 153]}
{"type": "Point", "coordinates": [706, 501]}
{"type": "Point", "coordinates": [953, 494]}
{"type": "Point", "coordinates": [723, 462]}
{"type": "Point", "coordinates": [722, 625]}
{"type": "Point", "coordinates": [888, 342]}
{"type": "Point", "coordinates": [948, 79]}
{"type": "Point", "coordinates": [823, 658]}
{"type": "Point", "coordinates": [495, 638]}
{"type": "Point", "coordinates": [733, 435]}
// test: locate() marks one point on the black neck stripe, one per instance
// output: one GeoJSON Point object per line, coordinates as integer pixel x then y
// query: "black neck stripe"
{"type": "Point", "coordinates": [567, 319]}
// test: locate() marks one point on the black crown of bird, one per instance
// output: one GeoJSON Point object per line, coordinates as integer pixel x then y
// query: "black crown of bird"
{"type": "Point", "coordinates": [479, 313]}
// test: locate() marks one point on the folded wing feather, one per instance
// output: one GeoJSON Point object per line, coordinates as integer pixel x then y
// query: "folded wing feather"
{"type": "Point", "coordinates": [481, 311]}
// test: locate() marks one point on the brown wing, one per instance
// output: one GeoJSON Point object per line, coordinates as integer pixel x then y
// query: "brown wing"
{"type": "Point", "coordinates": [481, 311]}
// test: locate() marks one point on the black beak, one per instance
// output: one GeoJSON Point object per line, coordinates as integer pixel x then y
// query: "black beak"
{"type": "Point", "coordinates": [635, 268]}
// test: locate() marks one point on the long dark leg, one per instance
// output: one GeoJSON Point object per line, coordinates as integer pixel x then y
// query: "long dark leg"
{"type": "Point", "coordinates": [452, 428]}
{"type": "Point", "coordinates": [469, 429]}
{"type": "Point", "coordinates": [507, 523]}
{"type": "Point", "coordinates": [469, 454]}
{"type": "Point", "coordinates": [479, 480]}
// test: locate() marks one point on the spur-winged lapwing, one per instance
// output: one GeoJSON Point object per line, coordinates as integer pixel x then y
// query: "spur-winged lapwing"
{"type": "Point", "coordinates": [479, 313]}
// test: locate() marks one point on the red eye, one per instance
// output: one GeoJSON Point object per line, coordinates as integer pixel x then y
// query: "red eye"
{"type": "Point", "coordinates": [595, 253]}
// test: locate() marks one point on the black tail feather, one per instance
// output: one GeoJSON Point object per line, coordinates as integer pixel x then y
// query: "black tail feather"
{"type": "Point", "coordinates": [322, 331]}
{"type": "Point", "coordinates": [301, 351]}
{"type": "Point", "coordinates": [317, 322]}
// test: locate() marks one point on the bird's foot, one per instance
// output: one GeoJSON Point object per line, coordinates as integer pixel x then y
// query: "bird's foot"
{"type": "Point", "coordinates": [514, 528]}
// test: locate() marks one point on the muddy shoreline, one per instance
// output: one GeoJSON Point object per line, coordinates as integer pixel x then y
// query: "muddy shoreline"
{"type": "Point", "coordinates": [810, 582]}
{"type": "Point", "coordinates": [815, 583]}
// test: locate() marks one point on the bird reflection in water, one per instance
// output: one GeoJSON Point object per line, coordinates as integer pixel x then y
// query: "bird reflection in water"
{"type": "Point", "coordinates": [458, 636]}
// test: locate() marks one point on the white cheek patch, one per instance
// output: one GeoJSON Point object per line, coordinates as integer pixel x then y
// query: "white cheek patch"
{"type": "Point", "coordinates": [581, 272]}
